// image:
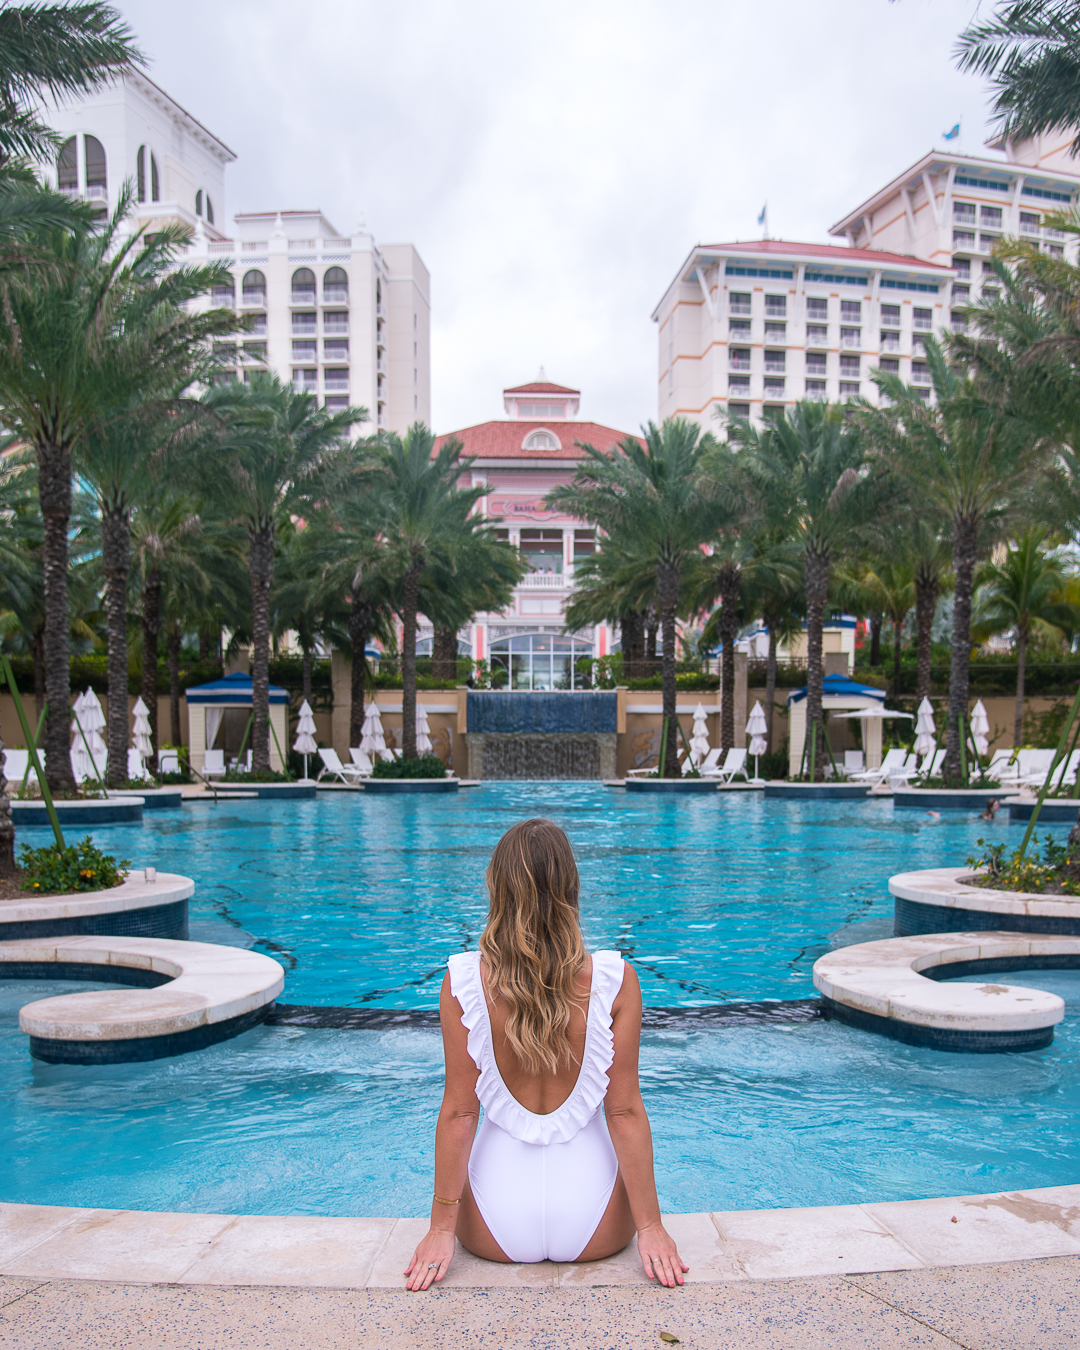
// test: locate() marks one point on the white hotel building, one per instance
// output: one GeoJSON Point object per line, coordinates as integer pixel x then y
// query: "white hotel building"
{"type": "Point", "coordinates": [748, 327]}
{"type": "Point", "coordinates": [334, 314]}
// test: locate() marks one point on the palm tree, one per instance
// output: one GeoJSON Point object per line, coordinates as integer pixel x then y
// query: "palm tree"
{"type": "Point", "coordinates": [812, 464]}
{"type": "Point", "coordinates": [890, 579]}
{"type": "Point", "coordinates": [653, 495]}
{"type": "Point", "coordinates": [1022, 594]}
{"type": "Point", "coordinates": [263, 465]}
{"type": "Point", "coordinates": [616, 584]}
{"type": "Point", "coordinates": [970, 460]}
{"type": "Point", "coordinates": [1031, 49]}
{"type": "Point", "coordinates": [104, 327]}
{"type": "Point", "coordinates": [425, 516]}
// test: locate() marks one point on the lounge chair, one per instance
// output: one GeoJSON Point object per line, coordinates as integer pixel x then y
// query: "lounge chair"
{"type": "Point", "coordinates": [168, 761]}
{"type": "Point", "coordinates": [854, 762]}
{"type": "Point", "coordinates": [348, 773]}
{"type": "Point", "coordinates": [709, 763]}
{"type": "Point", "coordinates": [16, 763]}
{"type": "Point", "coordinates": [360, 761]}
{"type": "Point", "coordinates": [1065, 773]}
{"type": "Point", "coordinates": [214, 764]}
{"type": "Point", "coordinates": [892, 763]}
{"type": "Point", "coordinates": [1034, 766]}
{"type": "Point", "coordinates": [734, 763]}
{"type": "Point", "coordinates": [931, 765]}
{"type": "Point", "coordinates": [136, 765]}
{"type": "Point", "coordinates": [1002, 768]}
{"type": "Point", "coordinates": [647, 769]}
{"type": "Point", "coordinates": [242, 765]}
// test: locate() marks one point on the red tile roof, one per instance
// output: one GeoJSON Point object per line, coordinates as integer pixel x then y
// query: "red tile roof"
{"type": "Point", "coordinates": [540, 387]}
{"type": "Point", "coordinates": [836, 252]}
{"type": "Point", "coordinates": [504, 440]}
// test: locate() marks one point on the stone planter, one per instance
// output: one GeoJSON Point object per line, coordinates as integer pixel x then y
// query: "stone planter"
{"type": "Point", "coordinates": [812, 792]}
{"type": "Point", "coordinates": [672, 785]}
{"type": "Point", "coordinates": [157, 909]}
{"type": "Point", "coordinates": [111, 811]}
{"type": "Point", "coordinates": [267, 791]}
{"type": "Point", "coordinates": [1055, 811]}
{"type": "Point", "coordinates": [400, 785]}
{"type": "Point", "coordinates": [946, 799]}
{"type": "Point", "coordinates": [937, 900]}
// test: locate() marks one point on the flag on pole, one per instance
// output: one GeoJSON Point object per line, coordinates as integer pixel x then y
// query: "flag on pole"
{"type": "Point", "coordinates": [951, 135]}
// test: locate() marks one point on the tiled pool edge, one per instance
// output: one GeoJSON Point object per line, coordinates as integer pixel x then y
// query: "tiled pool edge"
{"type": "Point", "coordinates": [149, 1247]}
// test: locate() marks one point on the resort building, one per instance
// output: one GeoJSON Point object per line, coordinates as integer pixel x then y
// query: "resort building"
{"type": "Point", "coordinates": [745, 328]}
{"type": "Point", "coordinates": [338, 316]}
{"type": "Point", "coordinates": [519, 460]}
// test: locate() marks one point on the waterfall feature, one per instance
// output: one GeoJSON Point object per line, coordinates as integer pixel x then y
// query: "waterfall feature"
{"type": "Point", "coordinates": [557, 734]}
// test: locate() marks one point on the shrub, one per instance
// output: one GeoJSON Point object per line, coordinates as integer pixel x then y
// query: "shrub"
{"type": "Point", "coordinates": [79, 867]}
{"type": "Point", "coordinates": [1029, 873]}
{"type": "Point", "coordinates": [426, 766]}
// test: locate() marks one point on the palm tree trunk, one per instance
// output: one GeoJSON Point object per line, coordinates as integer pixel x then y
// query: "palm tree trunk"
{"type": "Point", "coordinates": [770, 680]}
{"type": "Point", "coordinates": [37, 652]}
{"type": "Point", "coordinates": [359, 631]}
{"type": "Point", "coordinates": [172, 655]}
{"type": "Point", "coordinates": [877, 620]}
{"type": "Point", "coordinates": [1021, 658]}
{"type": "Point", "coordinates": [305, 689]}
{"type": "Point", "coordinates": [816, 581]}
{"type": "Point", "coordinates": [7, 827]}
{"type": "Point", "coordinates": [897, 625]}
{"type": "Point", "coordinates": [965, 539]}
{"type": "Point", "coordinates": [151, 624]}
{"type": "Point", "coordinates": [632, 636]}
{"type": "Point", "coordinates": [667, 578]}
{"type": "Point", "coordinates": [730, 585]}
{"type": "Point", "coordinates": [651, 626]}
{"type": "Point", "coordinates": [411, 588]}
{"type": "Point", "coordinates": [54, 496]}
{"type": "Point", "coordinates": [261, 571]}
{"type": "Point", "coordinates": [116, 559]}
{"type": "Point", "coordinates": [926, 596]}
{"type": "Point", "coordinates": [444, 654]}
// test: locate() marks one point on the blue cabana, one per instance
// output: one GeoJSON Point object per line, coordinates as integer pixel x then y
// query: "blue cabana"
{"type": "Point", "coordinates": [838, 692]}
{"type": "Point", "coordinates": [207, 704]}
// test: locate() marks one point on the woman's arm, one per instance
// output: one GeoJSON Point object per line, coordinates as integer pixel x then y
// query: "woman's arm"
{"type": "Point", "coordinates": [628, 1126]}
{"type": "Point", "coordinates": [454, 1135]}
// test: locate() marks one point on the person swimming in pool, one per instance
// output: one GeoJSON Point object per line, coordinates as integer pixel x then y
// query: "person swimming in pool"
{"type": "Point", "coordinates": [990, 810]}
{"type": "Point", "coordinates": [545, 1038]}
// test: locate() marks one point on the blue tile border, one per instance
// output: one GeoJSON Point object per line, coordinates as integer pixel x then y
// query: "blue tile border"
{"type": "Point", "coordinates": [912, 917]}
{"type": "Point", "coordinates": [143, 1048]}
{"type": "Point", "coordinates": [155, 921]}
{"type": "Point", "coordinates": [940, 1038]}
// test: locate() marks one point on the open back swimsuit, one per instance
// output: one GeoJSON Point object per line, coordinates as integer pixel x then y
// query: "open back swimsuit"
{"type": "Point", "coordinates": [541, 1182]}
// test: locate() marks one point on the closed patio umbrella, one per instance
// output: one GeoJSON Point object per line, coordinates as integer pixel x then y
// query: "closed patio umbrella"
{"type": "Point", "coordinates": [699, 740]}
{"type": "Point", "coordinates": [140, 736]}
{"type": "Point", "coordinates": [925, 731]}
{"type": "Point", "coordinates": [423, 738]}
{"type": "Point", "coordinates": [305, 737]}
{"type": "Point", "coordinates": [757, 729]}
{"type": "Point", "coordinates": [372, 739]}
{"type": "Point", "coordinates": [980, 728]}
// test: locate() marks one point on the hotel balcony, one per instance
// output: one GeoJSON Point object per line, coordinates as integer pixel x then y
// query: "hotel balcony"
{"type": "Point", "coordinates": [546, 581]}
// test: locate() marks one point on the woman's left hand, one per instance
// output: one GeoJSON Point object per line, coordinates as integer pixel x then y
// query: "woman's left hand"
{"type": "Point", "coordinates": [431, 1260]}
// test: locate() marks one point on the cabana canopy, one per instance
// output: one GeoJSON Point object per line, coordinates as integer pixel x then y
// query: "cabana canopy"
{"type": "Point", "coordinates": [234, 691]}
{"type": "Point", "coordinates": [837, 692]}
{"type": "Point", "coordinates": [207, 705]}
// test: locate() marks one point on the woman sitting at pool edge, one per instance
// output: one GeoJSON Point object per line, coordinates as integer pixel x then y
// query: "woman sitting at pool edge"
{"type": "Point", "coordinates": [542, 1035]}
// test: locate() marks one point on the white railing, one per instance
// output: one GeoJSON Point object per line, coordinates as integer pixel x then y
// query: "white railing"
{"type": "Point", "coordinates": [336, 386]}
{"type": "Point", "coordinates": [775, 368]}
{"type": "Point", "coordinates": [301, 243]}
{"type": "Point", "coordinates": [734, 364]}
{"type": "Point", "coordinates": [890, 344]}
{"type": "Point", "coordinates": [380, 310]}
{"type": "Point", "coordinates": [303, 351]}
{"type": "Point", "coordinates": [339, 354]}
{"type": "Point", "coordinates": [545, 581]}
{"type": "Point", "coordinates": [339, 328]}
{"type": "Point", "coordinates": [220, 246]}
{"type": "Point", "coordinates": [380, 366]}
{"type": "Point", "coordinates": [335, 295]}
{"type": "Point", "coordinates": [304, 329]}
{"type": "Point", "coordinates": [336, 245]}
{"type": "Point", "coordinates": [255, 245]}
{"type": "Point", "coordinates": [851, 340]}
{"type": "Point", "coordinates": [302, 298]}
{"type": "Point", "coordinates": [250, 298]}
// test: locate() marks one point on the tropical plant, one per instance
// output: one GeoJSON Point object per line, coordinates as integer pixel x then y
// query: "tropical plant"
{"type": "Point", "coordinates": [655, 495]}
{"type": "Point", "coordinates": [812, 463]}
{"type": "Point", "coordinates": [263, 464]}
{"type": "Point", "coordinates": [1022, 593]}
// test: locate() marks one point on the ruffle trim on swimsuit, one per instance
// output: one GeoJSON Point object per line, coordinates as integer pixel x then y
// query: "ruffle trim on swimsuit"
{"type": "Point", "coordinates": [500, 1106]}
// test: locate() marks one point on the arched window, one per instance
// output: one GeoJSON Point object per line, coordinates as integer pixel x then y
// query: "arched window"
{"type": "Point", "coordinates": [539, 661]}
{"type": "Point", "coordinates": [209, 209]}
{"type": "Point", "coordinates": [335, 285]}
{"type": "Point", "coordinates": [96, 179]}
{"type": "Point", "coordinates": [303, 286]}
{"type": "Point", "coordinates": [67, 166]}
{"type": "Point", "coordinates": [253, 288]}
{"type": "Point", "coordinates": [140, 174]}
{"type": "Point", "coordinates": [541, 440]}
{"type": "Point", "coordinates": [198, 202]}
{"type": "Point", "coordinates": [155, 185]}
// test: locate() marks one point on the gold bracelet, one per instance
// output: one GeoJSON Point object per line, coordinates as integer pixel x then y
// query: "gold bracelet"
{"type": "Point", "coordinates": [448, 1202]}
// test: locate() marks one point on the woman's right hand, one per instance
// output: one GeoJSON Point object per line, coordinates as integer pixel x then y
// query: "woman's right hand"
{"type": "Point", "coordinates": [660, 1256]}
{"type": "Point", "coordinates": [431, 1260]}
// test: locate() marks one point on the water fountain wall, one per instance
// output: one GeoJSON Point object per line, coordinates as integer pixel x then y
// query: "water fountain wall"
{"type": "Point", "coordinates": [550, 734]}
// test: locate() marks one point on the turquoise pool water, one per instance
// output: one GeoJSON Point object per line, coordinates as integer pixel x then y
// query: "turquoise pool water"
{"type": "Point", "coordinates": [716, 899]}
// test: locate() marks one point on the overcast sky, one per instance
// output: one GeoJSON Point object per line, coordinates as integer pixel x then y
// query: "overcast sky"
{"type": "Point", "coordinates": [554, 164]}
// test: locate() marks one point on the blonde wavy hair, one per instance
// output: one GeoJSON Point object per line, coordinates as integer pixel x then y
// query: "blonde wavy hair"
{"type": "Point", "coordinates": [532, 942]}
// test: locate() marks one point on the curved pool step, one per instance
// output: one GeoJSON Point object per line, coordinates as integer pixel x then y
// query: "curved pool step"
{"type": "Point", "coordinates": [192, 994]}
{"type": "Point", "coordinates": [894, 987]}
{"type": "Point", "coordinates": [940, 900]}
{"type": "Point", "coordinates": [137, 908]}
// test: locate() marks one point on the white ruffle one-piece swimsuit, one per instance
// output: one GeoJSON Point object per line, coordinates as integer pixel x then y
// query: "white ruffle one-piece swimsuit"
{"type": "Point", "coordinates": [541, 1182]}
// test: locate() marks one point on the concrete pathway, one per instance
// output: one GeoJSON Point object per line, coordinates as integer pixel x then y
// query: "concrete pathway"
{"type": "Point", "coordinates": [1011, 1306]}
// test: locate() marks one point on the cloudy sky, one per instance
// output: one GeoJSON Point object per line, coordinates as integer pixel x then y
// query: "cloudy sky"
{"type": "Point", "coordinates": [554, 164]}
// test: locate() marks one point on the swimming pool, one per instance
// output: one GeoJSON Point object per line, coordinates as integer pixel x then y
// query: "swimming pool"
{"type": "Point", "coordinates": [713, 899]}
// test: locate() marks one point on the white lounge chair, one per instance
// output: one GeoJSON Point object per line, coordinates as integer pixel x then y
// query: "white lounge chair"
{"type": "Point", "coordinates": [360, 761]}
{"type": "Point", "coordinates": [168, 761]}
{"type": "Point", "coordinates": [854, 762]}
{"type": "Point", "coordinates": [892, 763]}
{"type": "Point", "coordinates": [1034, 766]}
{"type": "Point", "coordinates": [734, 763]}
{"type": "Point", "coordinates": [348, 773]}
{"type": "Point", "coordinates": [931, 765]}
{"type": "Point", "coordinates": [136, 765]}
{"type": "Point", "coordinates": [1001, 768]}
{"type": "Point", "coordinates": [1065, 773]}
{"type": "Point", "coordinates": [214, 764]}
{"type": "Point", "coordinates": [242, 765]}
{"type": "Point", "coordinates": [709, 763]}
{"type": "Point", "coordinates": [647, 769]}
{"type": "Point", "coordinates": [16, 763]}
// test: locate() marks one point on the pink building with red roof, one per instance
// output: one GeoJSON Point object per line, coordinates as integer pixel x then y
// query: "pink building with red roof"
{"type": "Point", "coordinates": [519, 460]}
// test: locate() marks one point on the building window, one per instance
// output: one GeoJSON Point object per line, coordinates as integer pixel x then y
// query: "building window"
{"type": "Point", "coordinates": [337, 349]}
{"type": "Point", "coordinates": [772, 412]}
{"type": "Point", "coordinates": [923, 395]}
{"type": "Point", "coordinates": [963, 239]}
{"type": "Point", "coordinates": [890, 365]}
{"type": "Point", "coordinates": [253, 288]}
{"type": "Point", "coordinates": [225, 353]}
{"type": "Point", "coordinates": [774, 388]}
{"type": "Point", "coordinates": [990, 216]}
{"type": "Point", "coordinates": [775, 362]}
{"type": "Point", "coordinates": [96, 178]}
{"type": "Point", "coordinates": [776, 332]}
{"type": "Point", "coordinates": [254, 352]}
{"type": "Point", "coordinates": [738, 409]}
{"type": "Point", "coordinates": [964, 213]}
{"type": "Point", "coordinates": [960, 293]}
{"type": "Point", "coordinates": [584, 544]}
{"type": "Point", "coordinates": [922, 318]}
{"type": "Point", "coordinates": [817, 308]}
{"type": "Point", "coordinates": [739, 358]}
{"type": "Point", "coordinates": [198, 202]}
{"type": "Point", "coordinates": [223, 294]}
{"type": "Point", "coordinates": [1029, 222]}
{"type": "Point", "coordinates": [849, 367]}
{"type": "Point", "coordinates": [963, 267]}
{"type": "Point", "coordinates": [541, 409]}
{"type": "Point", "coordinates": [209, 209]}
{"type": "Point", "coordinates": [815, 388]}
{"type": "Point", "coordinates": [890, 342]}
{"type": "Point", "coordinates": [739, 302]}
{"type": "Point", "coordinates": [155, 182]}
{"type": "Point", "coordinates": [851, 311]}
{"type": "Point", "coordinates": [258, 324]}
{"type": "Point", "coordinates": [738, 384]}
{"type": "Point", "coordinates": [959, 321]}
{"type": "Point", "coordinates": [739, 329]}
{"type": "Point", "coordinates": [987, 242]}
{"type": "Point", "coordinates": [543, 550]}
{"type": "Point", "coordinates": [303, 286]}
{"type": "Point", "coordinates": [303, 351]}
{"type": "Point", "coordinates": [67, 166]}
{"type": "Point", "coordinates": [1055, 250]}
{"type": "Point", "coordinates": [304, 322]}
{"type": "Point", "coordinates": [336, 378]}
{"type": "Point", "coordinates": [816, 332]}
{"type": "Point", "coordinates": [776, 306]}
{"type": "Point", "coordinates": [539, 660]}
{"type": "Point", "coordinates": [920, 372]}
{"type": "Point", "coordinates": [305, 381]}
{"type": "Point", "coordinates": [918, 344]}
{"type": "Point", "coordinates": [336, 286]}
{"type": "Point", "coordinates": [990, 295]}
{"type": "Point", "coordinates": [850, 337]}
{"type": "Point", "coordinates": [815, 363]}
{"type": "Point", "coordinates": [337, 321]}
{"type": "Point", "coordinates": [541, 440]}
{"type": "Point", "coordinates": [890, 314]}
{"type": "Point", "coordinates": [849, 389]}
{"type": "Point", "coordinates": [140, 174]}
{"type": "Point", "coordinates": [335, 402]}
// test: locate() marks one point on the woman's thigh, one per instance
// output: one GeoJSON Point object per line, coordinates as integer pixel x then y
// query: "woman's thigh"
{"type": "Point", "coordinates": [614, 1230]}
{"type": "Point", "coordinates": [473, 1233]}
